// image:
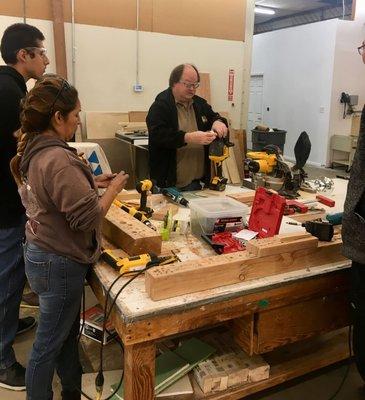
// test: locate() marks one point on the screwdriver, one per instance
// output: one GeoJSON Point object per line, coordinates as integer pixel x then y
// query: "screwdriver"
{"type": "Point", "coordinates": [322, 230]}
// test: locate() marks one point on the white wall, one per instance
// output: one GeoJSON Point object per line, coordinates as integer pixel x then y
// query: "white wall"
{"type": "Point", "coordinates": [349, 70]}
{"type": "Point", "coordinates": [106, 60]}
{"type": "Point", "coordinates": [297, 64]}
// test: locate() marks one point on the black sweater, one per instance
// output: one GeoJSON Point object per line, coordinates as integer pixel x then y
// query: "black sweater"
{"type": "Point", "coordinates": [12, 90]}
{"type": "Point", "coordinates": [165, 137]}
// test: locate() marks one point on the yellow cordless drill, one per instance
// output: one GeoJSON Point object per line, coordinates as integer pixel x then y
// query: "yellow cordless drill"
{"type": "Point", "coordinates": [143, 187]}
{"type": "Point", "coordinates": [218, 152]}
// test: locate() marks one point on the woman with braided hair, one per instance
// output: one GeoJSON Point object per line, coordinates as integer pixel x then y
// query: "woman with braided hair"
{"type": "Point", "coordinates": [63, 229]}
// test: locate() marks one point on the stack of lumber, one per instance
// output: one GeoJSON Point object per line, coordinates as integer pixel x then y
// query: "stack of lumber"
{"type": "Point", "coordinates": [229, 366]}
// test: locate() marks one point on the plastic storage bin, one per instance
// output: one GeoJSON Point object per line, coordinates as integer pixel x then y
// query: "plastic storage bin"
{"type": "Point", "coordinates": [260, 139]}
{"type": "Point", "coordinates": [216, 215]}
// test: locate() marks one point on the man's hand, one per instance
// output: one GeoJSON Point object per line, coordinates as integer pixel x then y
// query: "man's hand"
{"type": "Point", "coordinates": [220, 128]}
{"type": "Point", "coordinates": [200, 137]}
{"type": "Point", "coordinates": [103, 180]}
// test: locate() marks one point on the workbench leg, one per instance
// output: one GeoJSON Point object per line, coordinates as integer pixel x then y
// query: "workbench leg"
{"type": "Point", "coordinates": [139, 371]}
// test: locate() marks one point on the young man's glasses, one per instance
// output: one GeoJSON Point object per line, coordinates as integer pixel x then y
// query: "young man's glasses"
{"type": "Point", "coordinates": [190, 85]}
{"type": "Point", "coordinates": [65, 85]}
{"type": "Point", "coordinates": [39, 50]}
{"type": "Point", "coordinates": [361, 49]}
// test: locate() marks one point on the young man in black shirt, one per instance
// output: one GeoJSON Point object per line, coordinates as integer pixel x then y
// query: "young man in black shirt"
{"type": "Point", "coordinates": [25, 57]}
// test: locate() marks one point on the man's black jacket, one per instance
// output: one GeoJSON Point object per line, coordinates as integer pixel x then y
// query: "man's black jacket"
{"type": "Point", "coordinates": [12, 90]}
{"type": "Point", "coordinates": [165, 137]}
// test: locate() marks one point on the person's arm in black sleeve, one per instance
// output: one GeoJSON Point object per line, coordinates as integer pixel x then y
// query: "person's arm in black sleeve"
{"type": "Point", "coordinates": [160, 130]}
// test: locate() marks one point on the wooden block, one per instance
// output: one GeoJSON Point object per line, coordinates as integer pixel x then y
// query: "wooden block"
{"type": "Point", "coordinates": [246, 197]}
{"type": "Point", "coordinates": [101, 125]}
{"type": "Point", "coordinates": [193, 276]}
{"type": "Point", "coordinates": [258, 368]}
{"type": "Point", "coordinates": [129, 234]}
{"type": "Point", "coordinates": [237, 371]}
{"type": "Point", "coordinates": [137, 116]}
{"type": "Point", "coordinates": [276, 246]}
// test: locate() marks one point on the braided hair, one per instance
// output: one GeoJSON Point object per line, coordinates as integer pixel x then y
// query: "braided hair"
{"type": "Point", "coordinates": [49, 95]}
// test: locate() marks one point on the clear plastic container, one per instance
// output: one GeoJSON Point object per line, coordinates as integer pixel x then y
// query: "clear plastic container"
{"type": "Point", "coordinates": [216, 214]}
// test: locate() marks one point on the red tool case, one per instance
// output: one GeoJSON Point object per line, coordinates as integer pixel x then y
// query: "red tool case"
{"type": "Point", "coordinates": [266, 213]}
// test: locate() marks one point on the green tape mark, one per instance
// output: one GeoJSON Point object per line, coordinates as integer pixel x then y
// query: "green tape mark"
{"type": "Point", "coordinates": [263, 303]}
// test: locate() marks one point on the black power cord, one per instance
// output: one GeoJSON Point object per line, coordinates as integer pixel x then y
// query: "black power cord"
{"type": "Point", "coordinates": [99, 380]}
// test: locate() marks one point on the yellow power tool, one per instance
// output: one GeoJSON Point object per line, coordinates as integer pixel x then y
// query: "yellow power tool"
{"type": "Point", "coordinates": [134, 263]}
{"type": "Point", "coordinates": [262, 161]}
{"type": "Point", "coordinates": [135, 213]}
{"type": "Point", "coordinates": [143, 187]}
{"type": "Point", "coordinates": [218, 152]}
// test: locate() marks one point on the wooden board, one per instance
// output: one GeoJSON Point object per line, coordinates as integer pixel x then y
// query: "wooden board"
{"type": "Point", "coordinates": [204, 88]}
{"type": "Point", "coordinates": [232, 167]}
{"type": "Point", "coordinates": [245, 198]}
{"type": "Point", "coordinates": [137, 116]}
{"type": "Point", "coordinates": [101, 125]}
{"type": "Point", "coordinates": [193, 276]}
{"type": "Point", "coordinates": [129, 234]}
{"type": "Point", "coordinates": [271, 246]}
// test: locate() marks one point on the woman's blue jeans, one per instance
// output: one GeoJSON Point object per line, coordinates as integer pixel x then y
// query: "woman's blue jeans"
{"type": "Point", "coordinates": [59, 283]}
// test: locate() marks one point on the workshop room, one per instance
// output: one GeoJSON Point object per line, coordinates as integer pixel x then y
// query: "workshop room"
{"type": "Point", "coordinates": [182, 199]}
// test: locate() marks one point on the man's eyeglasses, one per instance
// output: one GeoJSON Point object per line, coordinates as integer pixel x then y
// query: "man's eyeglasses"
{"type": "Point", "coordinates": [65, 85]}
{"type": "Point", "coordinates": [361, 49]}
{"type": "Point", "coordinates": [40, 50]}
{"type": "Point", "coordinates": [190, 85]}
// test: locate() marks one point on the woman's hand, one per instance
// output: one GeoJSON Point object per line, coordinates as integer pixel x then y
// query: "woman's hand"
{"type": "Point", "coordinates": [103, 180]}
{"type": "Point", "coordinates": [119, 181]}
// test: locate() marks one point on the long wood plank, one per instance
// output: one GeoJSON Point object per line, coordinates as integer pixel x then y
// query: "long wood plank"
{"type": "Point", "coordinates": [193, 276]}
{"type": "Point", "coordinates": [129, 234]}
{"type": "Point", "coordinates": [265, 247]}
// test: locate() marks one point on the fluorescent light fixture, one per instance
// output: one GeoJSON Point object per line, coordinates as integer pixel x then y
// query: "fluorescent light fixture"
{"type": "Point", "coordinates": [264, 10]}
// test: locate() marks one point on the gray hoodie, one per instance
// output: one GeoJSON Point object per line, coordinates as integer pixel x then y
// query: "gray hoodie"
{"type": "Point", "coordinates": [61, 200]}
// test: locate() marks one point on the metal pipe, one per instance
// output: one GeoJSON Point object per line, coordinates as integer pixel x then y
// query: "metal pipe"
{"type": "Point", "coordinates": [25, 11]}
{"type": "Point", "coordinates": [73, 42]}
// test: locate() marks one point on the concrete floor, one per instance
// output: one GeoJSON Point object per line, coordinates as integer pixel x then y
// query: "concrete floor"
{"type": "Point", "coordinates": [320, 385]}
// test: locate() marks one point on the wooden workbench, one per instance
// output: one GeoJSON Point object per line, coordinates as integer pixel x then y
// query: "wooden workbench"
{"type": "Point", "coordinates": [278, 310]}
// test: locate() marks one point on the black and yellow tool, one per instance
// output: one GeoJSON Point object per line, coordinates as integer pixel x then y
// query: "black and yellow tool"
{"type": "Point", "coordinates": [218, 152]}
{"type": "Point", "coordinates": [134, 263]}
{"type": "Point", "coordinates": [135, 213]}
{"type": "Point", "coordinates": [143, 187]}
{"type": "Point", "coordinates": [261, 161]}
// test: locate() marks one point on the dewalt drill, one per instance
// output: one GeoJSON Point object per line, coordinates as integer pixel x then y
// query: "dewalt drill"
{"type": "Point", "coordinates": [143, 187]}
{"type": "Point", "coordinates": [218, 152]}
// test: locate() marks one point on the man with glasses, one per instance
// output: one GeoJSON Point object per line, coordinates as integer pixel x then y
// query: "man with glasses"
{"type": "Point", "coordinates": [181, 125]}
{"type": "Point", "coordinates": [25, 57]}
{"type": "Point", "coordinates": [353, 237]}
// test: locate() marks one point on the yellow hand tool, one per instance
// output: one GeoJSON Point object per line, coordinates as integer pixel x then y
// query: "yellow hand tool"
{"type": "Point", "coordinates": [143, 187]}
{"type": "Point", "coordinates": [134, 213]}
{"type": "Point", "coordinates": [134, 263]}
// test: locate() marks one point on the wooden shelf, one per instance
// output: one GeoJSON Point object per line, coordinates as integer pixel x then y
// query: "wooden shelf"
{"type": "Point", "coordinates": [290, 362]}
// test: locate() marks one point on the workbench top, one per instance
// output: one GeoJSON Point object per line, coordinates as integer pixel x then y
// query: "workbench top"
{"type": "Point", "coordinates": [134, 304]}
